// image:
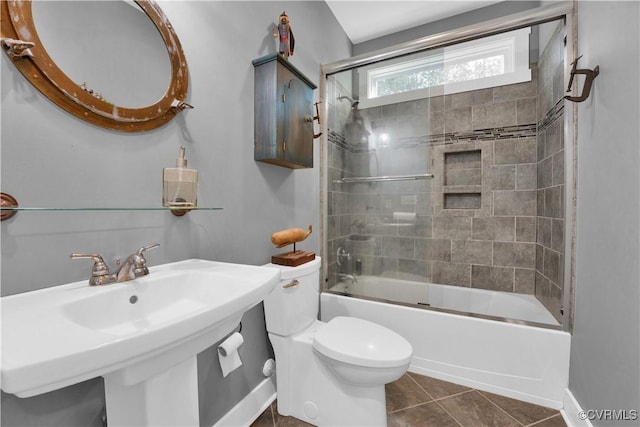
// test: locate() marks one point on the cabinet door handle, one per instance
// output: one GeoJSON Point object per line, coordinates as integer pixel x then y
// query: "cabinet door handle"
{"type": "Point", "coordinates": [291, 284]}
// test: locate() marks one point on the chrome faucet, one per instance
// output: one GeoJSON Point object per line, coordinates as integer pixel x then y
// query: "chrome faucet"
{"type": "Point", "coordinates": [135, 265]}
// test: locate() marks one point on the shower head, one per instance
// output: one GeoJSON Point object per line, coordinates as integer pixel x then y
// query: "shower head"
{"type": "Point", "coordinates": [355, 129]}
{"type": "Point", "coordinates": [354, 104]}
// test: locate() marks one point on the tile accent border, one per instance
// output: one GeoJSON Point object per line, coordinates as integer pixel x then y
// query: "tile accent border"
{"type": "Point", "coordinates": [552, 115]}
{"type": "Point", "coordinates": [509, 132]}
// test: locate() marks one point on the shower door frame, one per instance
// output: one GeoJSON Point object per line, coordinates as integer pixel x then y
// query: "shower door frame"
{"type": "Point", "coordinates": [564, 10]}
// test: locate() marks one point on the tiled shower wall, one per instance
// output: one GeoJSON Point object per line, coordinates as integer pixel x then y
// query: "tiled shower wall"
{"type": "Point", "coordinates": [474, 223]}
{"type": "Point", "coordinates": [490, 218]}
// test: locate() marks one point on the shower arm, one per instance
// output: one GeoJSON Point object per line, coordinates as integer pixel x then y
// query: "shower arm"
{"type": "Point", "coordinates": [354, 103]}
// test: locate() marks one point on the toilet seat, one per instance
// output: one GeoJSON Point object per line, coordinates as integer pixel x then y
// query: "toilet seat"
{"type": "Point", "coordinates": [363, 343]}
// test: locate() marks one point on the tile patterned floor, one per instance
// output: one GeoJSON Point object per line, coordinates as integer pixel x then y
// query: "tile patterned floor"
{"type": "Point", "coordinates": [418, 401]}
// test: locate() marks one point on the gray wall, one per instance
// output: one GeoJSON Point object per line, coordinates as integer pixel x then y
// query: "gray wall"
{"type": "Point", "coordinates": [605, 356]}
{"type": "Point", "coordinates": [473, 17]}
{"type": "Point", "coordinates": [50, 158]}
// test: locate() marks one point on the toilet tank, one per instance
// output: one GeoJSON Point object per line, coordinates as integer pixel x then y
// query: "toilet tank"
{"type": "Point", "coordinates": [291, 307]}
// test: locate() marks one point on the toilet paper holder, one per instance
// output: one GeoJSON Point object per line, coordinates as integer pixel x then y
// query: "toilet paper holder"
{"type": "Point", "coordinates": [231, 344]}
{"type": "Point", "coordinates": [238, 330]}
{"type": "Point", "coordinates": [228, 353]}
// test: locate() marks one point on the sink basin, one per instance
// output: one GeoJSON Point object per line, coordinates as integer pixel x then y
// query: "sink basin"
{"type": "Point", "coordinates": [166, 297]}
{"type": "Point", "coordinates": [128, 332]}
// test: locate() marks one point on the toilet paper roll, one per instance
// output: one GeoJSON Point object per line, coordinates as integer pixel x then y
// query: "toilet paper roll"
{"type": "Point", "coordinates": [404, 216]}
{"type": "Point", "coordinates": [228, 353]}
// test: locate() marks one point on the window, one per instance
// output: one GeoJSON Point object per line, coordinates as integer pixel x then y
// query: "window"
{"type": "Point", "coordinates": [491, 61]}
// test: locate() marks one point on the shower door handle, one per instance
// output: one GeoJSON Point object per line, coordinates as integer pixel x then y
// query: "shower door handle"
{"type": "Point", "coordinates": [291, 284]}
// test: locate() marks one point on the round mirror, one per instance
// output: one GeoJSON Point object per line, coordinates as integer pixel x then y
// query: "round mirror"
{"type": "Point", "coordinates": [117, 64]}
{"type": "Point", "coordinates": [107, 46]}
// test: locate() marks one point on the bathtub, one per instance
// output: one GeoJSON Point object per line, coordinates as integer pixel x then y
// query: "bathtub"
{"type": "Point", "coordinates": [466, 300]}
{"type": "Point", "coordinates": [526, 359]}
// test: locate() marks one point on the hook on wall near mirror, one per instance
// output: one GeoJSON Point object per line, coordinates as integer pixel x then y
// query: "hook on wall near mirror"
{"type": "Point", "coordinates": [24, 46]}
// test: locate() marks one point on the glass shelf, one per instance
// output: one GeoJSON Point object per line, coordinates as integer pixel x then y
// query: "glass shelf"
{"type": "Point", "coordinates": [35, 209]}
{"type": "Point", "coordinates": [9, 207]}
{"type": "Point", "coordinates": [7, 212]}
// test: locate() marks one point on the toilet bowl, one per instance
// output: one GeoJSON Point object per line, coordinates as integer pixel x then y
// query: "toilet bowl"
{"type": "Point", "coordinates": [329, 373]}
{"type": "Point", "coordinates": [361, 352]}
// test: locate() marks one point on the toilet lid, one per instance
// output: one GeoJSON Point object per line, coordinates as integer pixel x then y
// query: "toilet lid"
{"type": "Point", "coordinates": [363, 343]}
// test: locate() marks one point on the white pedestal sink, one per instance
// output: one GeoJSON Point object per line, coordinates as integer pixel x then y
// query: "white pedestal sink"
{"type": "Point", "coordinates": [142, 336]}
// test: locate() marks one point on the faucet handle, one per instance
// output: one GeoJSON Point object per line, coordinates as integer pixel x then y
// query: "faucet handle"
{"type": "Point", "coordinates": [146, 248]}
{"type": "Point", "coordinates": [100, 270]}
{"type": "Point", "coordinates": [99, 266]}
{"type": "Point", "coordinates": [141, 262]}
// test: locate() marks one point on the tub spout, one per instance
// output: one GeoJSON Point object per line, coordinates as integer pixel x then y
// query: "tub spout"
{"type": "Point", "coordinates": [348, 277]}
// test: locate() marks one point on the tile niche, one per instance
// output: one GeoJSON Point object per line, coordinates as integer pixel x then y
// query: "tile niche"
{"type": "Point", "coordinates": [462, 180]}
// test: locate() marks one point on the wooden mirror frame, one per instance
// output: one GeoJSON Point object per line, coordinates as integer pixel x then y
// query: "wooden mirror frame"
{"type": "Point", "coordinates": [38, 67]}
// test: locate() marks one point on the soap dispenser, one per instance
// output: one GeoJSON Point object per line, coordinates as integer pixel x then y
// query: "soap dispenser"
{"type": "Point", "coordinates": [180, 185]}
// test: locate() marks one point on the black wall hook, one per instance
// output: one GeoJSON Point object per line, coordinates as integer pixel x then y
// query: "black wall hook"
{"type": "Point", "coordinates": [589, 76]}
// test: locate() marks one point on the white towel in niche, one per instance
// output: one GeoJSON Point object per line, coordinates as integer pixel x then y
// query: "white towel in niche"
{"type": "Point", "coordinates": [404, 216]}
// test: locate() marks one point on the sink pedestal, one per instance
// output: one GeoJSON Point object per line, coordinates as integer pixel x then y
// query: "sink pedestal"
{"type": "Point", "coordinates": [169, 398]}
{"type": "Point", "coordinates": [162, 390]}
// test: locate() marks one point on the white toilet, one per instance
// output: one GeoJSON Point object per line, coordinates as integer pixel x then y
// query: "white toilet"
{"type": "Point", "coordinates": [329, 374]}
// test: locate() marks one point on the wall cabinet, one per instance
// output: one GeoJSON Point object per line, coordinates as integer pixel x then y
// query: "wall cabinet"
{"type": "Point", "coordinates": [283, 113]}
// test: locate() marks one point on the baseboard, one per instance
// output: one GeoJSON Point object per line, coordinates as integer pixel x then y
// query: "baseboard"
{"type": "Point", "coordinates": [572, 411]}
{"type": "Point", "coordinates": [251, 407]}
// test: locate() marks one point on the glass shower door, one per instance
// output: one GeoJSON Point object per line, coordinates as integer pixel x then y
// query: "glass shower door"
{"type": "Point", "coordinates": [453, 186]}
